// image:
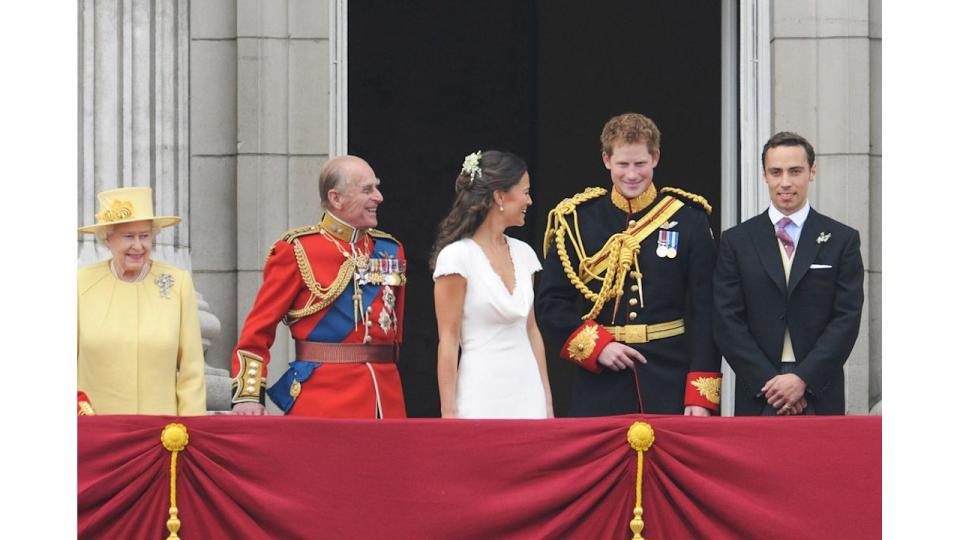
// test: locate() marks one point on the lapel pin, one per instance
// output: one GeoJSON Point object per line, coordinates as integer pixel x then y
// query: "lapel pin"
{"type": "Point", "coordinates": [823, 238]}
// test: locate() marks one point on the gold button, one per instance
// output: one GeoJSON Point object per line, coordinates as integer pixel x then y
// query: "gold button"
{"type": "Point", "coordinates": [580, 347]}
{"type": "Point", "coordinates": [632, 315]}
{"type": "Point", "coordinates": [633, 301]}
{"type": "Point", "coordinates": [633, 222]}
{"type": "Point", "coordinates": [254, 364]}
{"type": "Point", "coordinates": [634, 274]}
{"type": "Point", "coordinates": [634, 288]}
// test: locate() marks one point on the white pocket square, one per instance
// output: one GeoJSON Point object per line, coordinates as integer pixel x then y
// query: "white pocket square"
{"type": "Point", "coordinates": [820, 266]}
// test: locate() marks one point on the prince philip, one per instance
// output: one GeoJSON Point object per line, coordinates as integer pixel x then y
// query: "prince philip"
{"type": "Point", "coordinates": [339, 286]}
{"type": "Point", "coordinates": [788, 294]}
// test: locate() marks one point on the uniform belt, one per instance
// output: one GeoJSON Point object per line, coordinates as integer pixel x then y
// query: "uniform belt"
{"type": "Point", "coordinates": [345, 353]}
{"type": "Point", "coordinates": [643, 333]}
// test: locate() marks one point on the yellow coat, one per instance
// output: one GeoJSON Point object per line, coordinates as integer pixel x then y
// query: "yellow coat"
{"type": "Point", "coordinates": [131, 342]}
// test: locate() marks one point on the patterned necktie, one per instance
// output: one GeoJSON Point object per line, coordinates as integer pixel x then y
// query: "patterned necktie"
{"type": "Point", "coordinates": [784, 237]}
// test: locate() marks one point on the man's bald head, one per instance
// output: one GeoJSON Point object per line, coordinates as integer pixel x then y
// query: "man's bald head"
{"type": "Point", "coordinates": [337, 174]}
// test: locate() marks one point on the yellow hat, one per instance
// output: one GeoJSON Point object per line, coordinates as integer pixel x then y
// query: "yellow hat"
{"type": "Point", "coordinates": [123, 205]}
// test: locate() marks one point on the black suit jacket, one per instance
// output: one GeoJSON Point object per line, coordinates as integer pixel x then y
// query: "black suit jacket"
{"type": "Point", "coordinates": [753, 306]}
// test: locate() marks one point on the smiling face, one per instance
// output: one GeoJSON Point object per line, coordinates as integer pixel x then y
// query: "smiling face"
{"type": "Point", "coordinates": [788, 177]}
{"type": "Point", "coordinates": [131, 244]}
{"type": "Point", "coordinates": [515, 202]}
{"type": "Point", "coordinates": [357, 203]}
{"type": "Point", "coordinates": [631, 167]}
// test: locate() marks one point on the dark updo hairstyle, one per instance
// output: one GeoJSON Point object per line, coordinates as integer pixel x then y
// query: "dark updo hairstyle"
{"type": "Point", "coordinates": [499, 171]}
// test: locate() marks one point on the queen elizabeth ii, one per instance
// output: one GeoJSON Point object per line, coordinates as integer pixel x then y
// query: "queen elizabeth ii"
{"type": "Point", "coordinates": [138, 332]}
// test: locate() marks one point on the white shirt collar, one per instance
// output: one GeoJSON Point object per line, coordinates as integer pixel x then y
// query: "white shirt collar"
{"type": "Point", "coordinates": [797, 217]}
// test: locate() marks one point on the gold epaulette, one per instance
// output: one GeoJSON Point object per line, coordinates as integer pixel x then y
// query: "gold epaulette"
{"type": "Point", "coordinates": [692, 197]}
{"type": "Point", "coordinates": [564, 207]}
{"type": "Point", "coordinates": [290, 236]}
{"type": "Point", "coordinates": [297, 232]}
{"type": "Point", "coordinates": [376, 233]}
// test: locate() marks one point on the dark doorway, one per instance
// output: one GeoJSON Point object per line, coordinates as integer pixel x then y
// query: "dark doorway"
{"type": "Point", "coordinates": [433, 80]}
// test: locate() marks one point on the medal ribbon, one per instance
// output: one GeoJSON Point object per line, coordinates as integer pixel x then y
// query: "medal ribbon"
{"type": "Point", "coordinates": [657, 216]}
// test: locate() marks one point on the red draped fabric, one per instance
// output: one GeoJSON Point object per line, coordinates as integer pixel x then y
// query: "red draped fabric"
{"type": "Point", "coordinates": [288, 478]}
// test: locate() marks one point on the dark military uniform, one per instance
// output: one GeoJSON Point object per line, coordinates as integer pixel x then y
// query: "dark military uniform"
{"type": "Point", "coordinates": [638, 272]}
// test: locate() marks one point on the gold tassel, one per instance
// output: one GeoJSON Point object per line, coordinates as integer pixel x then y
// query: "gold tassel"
{"type": "Point", "coordinates": [640, 437]}
{"type": "Point", "coordinates": [174, 439]}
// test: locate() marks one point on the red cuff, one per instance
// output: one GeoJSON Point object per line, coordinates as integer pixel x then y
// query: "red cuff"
{"type": "Point", "coordinates": [584, 345]}
{"type": "Point", "coordinates": [83, 404]}
{"type": "Point", "coordinates": [703, 389]}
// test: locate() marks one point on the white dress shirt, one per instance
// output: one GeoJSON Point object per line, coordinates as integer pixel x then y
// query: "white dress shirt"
{"type": "Point", "coordinates": [798, 217]}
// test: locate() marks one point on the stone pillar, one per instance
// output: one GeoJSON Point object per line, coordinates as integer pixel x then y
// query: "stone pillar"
{"type": "Point", "coordinates": [134, 119]}
{"type": "Point", "coordinates": [213, 164]}
{"type": "Point", "coordinates": [135, 113]}
{"type": "Point", "coordinates": [261, 122]}
{"type": "Point", "coordinates": [283, 68]}
{"type": "Point", "coordinates": [824, 88]}
{"type": "Point", "coordinates": [874, 267]}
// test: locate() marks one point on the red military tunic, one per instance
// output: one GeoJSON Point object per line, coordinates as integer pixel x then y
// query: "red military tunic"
{"type": "Point", "coordinates": [301, 277]}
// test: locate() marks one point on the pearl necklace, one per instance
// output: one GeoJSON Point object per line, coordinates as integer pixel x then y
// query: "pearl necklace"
{"type": "Point", "coordinates": [143, 272]}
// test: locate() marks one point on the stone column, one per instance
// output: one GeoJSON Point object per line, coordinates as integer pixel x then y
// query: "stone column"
{"type": "Point", "coordinates": [134, 113]}
{"type": "Point", "coordinates": [260, 130]}
{"type": "Point", "coordinates": [283, 119]}
{"type": "Point", "coordinates": [874, 268]}
{"type": "Point", "coordinates": [824, 88]}
{"type": "Point", "coordinates": [134, 119]}
{"type": "Point", "coordinates": [213, 166]}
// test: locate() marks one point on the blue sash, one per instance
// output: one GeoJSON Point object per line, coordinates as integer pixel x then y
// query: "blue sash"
{"type": "Point", "coordinates": [333, 327]}
{"type": "Point", "coordinates": [280, 392]}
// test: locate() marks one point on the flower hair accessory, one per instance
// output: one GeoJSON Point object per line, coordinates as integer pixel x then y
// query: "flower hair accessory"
{"type": "Point", "coordinates": [471, 166]}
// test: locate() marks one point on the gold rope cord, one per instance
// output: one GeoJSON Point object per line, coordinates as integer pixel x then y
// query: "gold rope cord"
{"type": "Point", "coordinates": [568, 206]}
{"type": "Point", "coordinates": [613, 261]}
{"type": "Point", "coordinates": [656, 217]}
{"type": "Point", "coordinates": [321, 296]}
{"type": "Point", "coordinates": [174, 438]}
{"type": "Point", "coordinates": [640, 436]}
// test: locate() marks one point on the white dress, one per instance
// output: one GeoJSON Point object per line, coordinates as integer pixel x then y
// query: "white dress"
{"type": "Point", "coordinates": [498, 375]}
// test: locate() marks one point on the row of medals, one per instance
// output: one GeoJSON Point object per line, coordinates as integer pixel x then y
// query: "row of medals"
{"type": "Point", "coordinates": [667, 244]}
{"type": "Point", "coordinates": [379, 271]}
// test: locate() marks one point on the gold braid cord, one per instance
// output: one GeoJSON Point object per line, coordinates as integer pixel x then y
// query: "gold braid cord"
{"type": "Point", "coordinates": [640, 436]}
{"type": "Point", "coordinates": [699, 199]}
{"type": "Point", "coordinates": [321, 296]}
{"type": "Point", "coordinates": [623, 248]}
{"type": "Point", "coordinates": [620, 251]}
{"type": "Point", "coordinates": [557, 223]}
{"type": "Point", "coordinates": [175, 439]}
{"type": "Point", "coordinates": [558, 228]}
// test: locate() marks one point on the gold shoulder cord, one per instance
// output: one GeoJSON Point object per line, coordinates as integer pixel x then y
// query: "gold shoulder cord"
{"type": "Point", "coordinates": [558, 228]}
{"type": "Point", "coordinates": [613, 261]}
{"type": "Point", "coordinates": [556, 223]}
{"type": "Point", "coordinates": [699, 199]}
{"type": "Point", "coordinates": [320, 296]}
